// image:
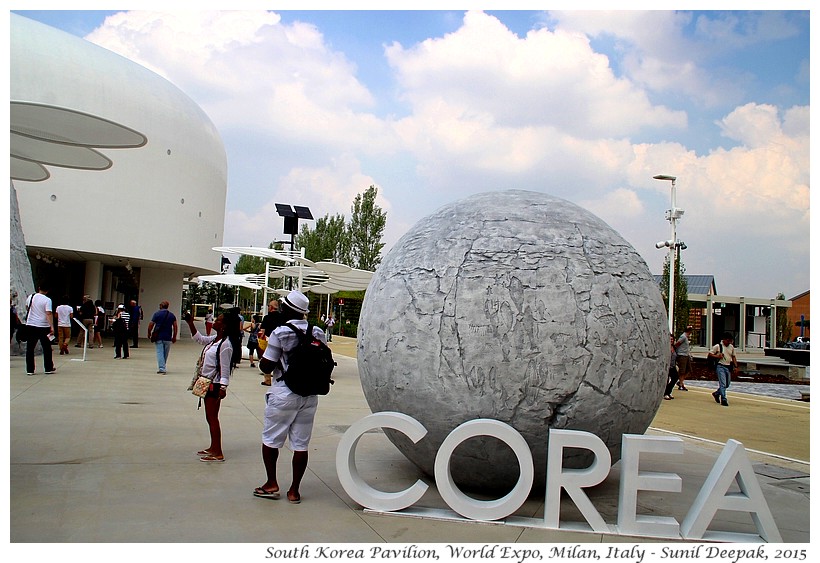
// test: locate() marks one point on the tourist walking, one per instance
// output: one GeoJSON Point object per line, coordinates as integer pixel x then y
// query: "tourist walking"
{"type": "Point", "coordinates": [684, 359]}
{"type": "Point", "coordinates": [672, 376]}
{"type": "Point", "coordinates": [39, 328]}
{"type": "Point", "coordinates": [724, 353]}
{"type": "Point", "coordinates": [216, 365]}
{"type": "Point", "coordinates": [65, 314]}
{"type": "Point", "coordinates": [162, 331]}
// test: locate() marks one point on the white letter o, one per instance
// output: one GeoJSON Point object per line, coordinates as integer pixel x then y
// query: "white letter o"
{"type": "Point", "coordinates": [481, 509]}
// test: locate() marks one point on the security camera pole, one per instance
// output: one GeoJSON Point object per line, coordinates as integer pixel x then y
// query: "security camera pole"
{"type": "Point", "coordinates": [672, 216]}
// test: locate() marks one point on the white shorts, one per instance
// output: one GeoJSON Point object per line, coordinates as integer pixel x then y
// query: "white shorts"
{"type": "Point", "coordinates": [288, 415]}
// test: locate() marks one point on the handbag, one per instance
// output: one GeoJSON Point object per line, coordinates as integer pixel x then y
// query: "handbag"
{"type": "Point", "coordinates": [261, 345]}
{"type": "Point", "coordinates": [201, 386]}
{"type": "Point", "coordinates": [198, 370]}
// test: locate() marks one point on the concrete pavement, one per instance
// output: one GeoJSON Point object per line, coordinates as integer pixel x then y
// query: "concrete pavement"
{"type": "Point", "coordinates": [104, 451]}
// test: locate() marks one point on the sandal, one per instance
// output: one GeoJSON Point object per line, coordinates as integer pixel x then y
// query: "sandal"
{"type": "Point", "coordinates": [262, 493]}
{"type": "Point", "coordinates": [204, 452]}
{"type": "Point", "coordinates": [212, 458]}
{"type": "Point", "coordinates": [295, 499]}
{"type": "Point", "coordinates": [668, 397]}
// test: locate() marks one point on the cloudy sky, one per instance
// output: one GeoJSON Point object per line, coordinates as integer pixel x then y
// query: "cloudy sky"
{"type": "Point", "coordinates": [432, 106]}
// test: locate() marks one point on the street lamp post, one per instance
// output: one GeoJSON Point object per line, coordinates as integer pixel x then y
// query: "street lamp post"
{"type": "Point", "coordinates": [672, 216]}
{"type": "Point", "coordinates": [292, 216]}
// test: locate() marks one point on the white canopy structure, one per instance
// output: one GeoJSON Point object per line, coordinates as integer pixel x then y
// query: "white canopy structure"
{"type": "Point", "coordinates": [322, 278]}
{"type": "Point", "coordinates": [251, 281]}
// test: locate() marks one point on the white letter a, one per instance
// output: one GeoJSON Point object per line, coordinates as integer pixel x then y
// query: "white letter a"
{"type": "Point", "coordinates": [732, 465]}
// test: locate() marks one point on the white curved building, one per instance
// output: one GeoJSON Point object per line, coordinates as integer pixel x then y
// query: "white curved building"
{"type": "Point", "coordinates": [120, 177]}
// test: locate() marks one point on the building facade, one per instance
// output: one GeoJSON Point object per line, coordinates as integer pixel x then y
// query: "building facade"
{"type": "Point", "coordinates": [752, 320]}
{"type": "Point", "coordinates": [120, 178]}
{"type": "Point", "coordinates": [799, 315]}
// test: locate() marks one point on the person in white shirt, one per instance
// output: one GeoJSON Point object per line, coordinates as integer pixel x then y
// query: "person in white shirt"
{"type": "Point", "coordinates": [287, 415]}
{"type": "Point", "coordinates": [217, 365]}
{"type": "Point", "coordinates": [65, 313]}
{"type": "Point", "coordinates": [724, 353]}
{"type": "Point", "coordinates": [39, 328]}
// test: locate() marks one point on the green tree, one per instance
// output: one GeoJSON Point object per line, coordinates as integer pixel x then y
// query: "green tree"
{"type": "Point", "coordinates": [782, 325]}
{"type": "Point", "coordinates": [247, 264]}
{"type": "Point", "coordinates": [366, 228]}
{"type": "Point", "coordinates": [682, 306]}
{"type": "Point", "coordinates": [328, 240]}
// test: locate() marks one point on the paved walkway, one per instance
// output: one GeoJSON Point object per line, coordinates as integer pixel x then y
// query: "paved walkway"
{"type": "Point", "coordinates": [780, 390]}
{"type": "Point", "coordinates": [104, 451]}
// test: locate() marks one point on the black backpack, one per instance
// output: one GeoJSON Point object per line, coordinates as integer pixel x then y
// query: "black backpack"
{"type": "Point", "coordinates": [310, 364]}
{"type": "Point", "coordinates": [713, 362]}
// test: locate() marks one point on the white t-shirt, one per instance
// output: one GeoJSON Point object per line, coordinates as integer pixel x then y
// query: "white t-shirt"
{"type": "Point", "coordinates": [40, 304]}
{"type": "Point", "coordinates": [64, 313]}
{"type": "Point", "coordinates": [728, 353]}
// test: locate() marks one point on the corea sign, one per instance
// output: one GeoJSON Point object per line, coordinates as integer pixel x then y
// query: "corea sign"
{"type": "Point", "coordinates": [732, 466]}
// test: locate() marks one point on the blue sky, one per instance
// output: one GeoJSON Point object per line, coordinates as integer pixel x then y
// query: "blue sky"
{"type": "Point", "coordinates": [432, 106]}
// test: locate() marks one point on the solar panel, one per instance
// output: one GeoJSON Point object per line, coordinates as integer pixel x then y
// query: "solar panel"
{"type": "Point", "coordinates": [284, 210]}
{"type": "Point", "coordinates": [302, 212]}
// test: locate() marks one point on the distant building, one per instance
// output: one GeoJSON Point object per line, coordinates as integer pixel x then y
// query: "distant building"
{"type": "Point", "coordinates": [799, 311]}
{"type": "Point", "coordinates": [120, 177]}
{"type": "Point", "coordinates": [750, 319]}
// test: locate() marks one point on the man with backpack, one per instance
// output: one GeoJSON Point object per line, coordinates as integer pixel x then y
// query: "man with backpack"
{"type": "Point", "coordinates": [297, 355]}
{"type": "Point", "coordinates": [724, 353]}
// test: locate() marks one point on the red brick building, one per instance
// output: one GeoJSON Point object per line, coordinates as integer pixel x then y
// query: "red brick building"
{"type": "Point", "coordinates": [800, 309]}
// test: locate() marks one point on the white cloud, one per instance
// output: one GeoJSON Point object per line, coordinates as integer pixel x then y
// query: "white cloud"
{"type": "Point", "coordinates": [489, 110]}
{"type": "Point", "coordinates": [668, 51]}
{"type": "Point", "coordinates": [485, 72]}
{"type": "Point", "coordinates": [623, 203]}
{"type": "Point", "coordinates": [247, 69]}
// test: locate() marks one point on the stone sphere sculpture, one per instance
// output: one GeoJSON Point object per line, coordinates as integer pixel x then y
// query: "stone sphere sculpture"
{"type": "Point", "coordinates": [516, 306]}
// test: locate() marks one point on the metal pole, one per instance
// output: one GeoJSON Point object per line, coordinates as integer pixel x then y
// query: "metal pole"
{"type": "Point", "coordinates": [302, 254]}
{"type": "Point", "coordinates": [672, 219]}
{"type": "Point", "coordinates": [265, 288]}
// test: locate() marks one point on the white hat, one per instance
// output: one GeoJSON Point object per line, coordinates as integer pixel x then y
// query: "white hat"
{"type": "Point", "coordinates": [120, 306]}
{"type": "Point", "coordinates": [297, 301]}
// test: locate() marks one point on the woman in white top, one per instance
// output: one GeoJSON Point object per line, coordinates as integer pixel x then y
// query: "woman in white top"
{"type": "Point", "coordinates": [217, 366]}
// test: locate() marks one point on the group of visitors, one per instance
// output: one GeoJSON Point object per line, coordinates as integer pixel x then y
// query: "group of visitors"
{"type": "Point", "coordinates": [680, 364]}
{"type": "Point", "coordinates": [288, 415]}
{"type": "Point", "coordinates": [39, 326]}
{"type": "Point", "coordinates": [41, 319]}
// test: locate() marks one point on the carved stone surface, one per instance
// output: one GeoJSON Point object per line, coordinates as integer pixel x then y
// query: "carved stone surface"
{"type": "Point", "coordinates": [516, 306]}
{"type": "Point", "coordinates": [20, 280]}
